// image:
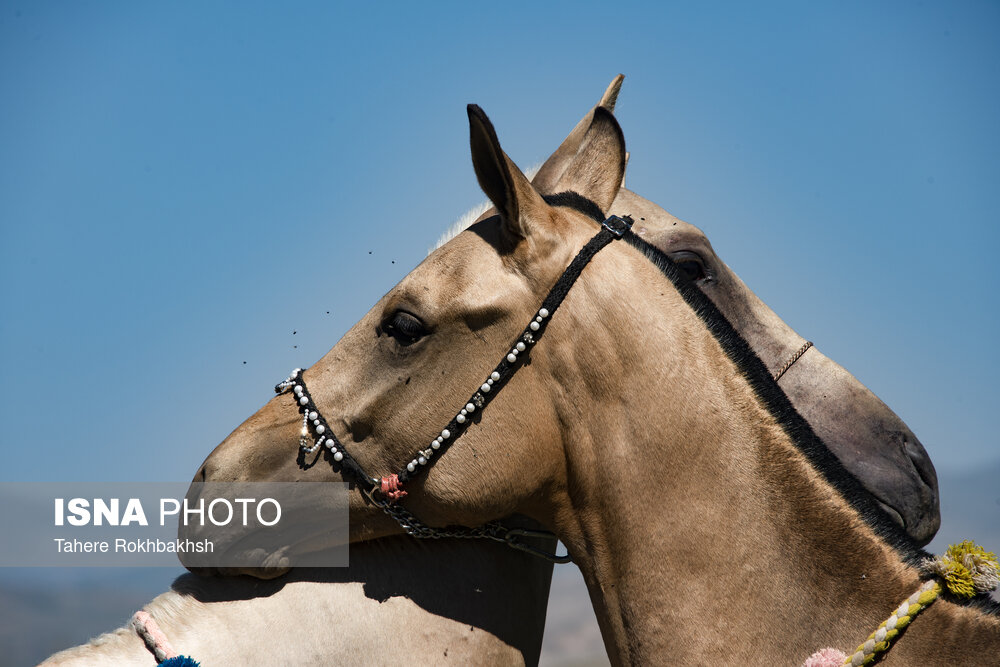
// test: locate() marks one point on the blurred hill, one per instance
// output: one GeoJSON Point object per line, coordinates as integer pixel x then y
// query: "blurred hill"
{"type": "Point", "coordinates": [46, 610]}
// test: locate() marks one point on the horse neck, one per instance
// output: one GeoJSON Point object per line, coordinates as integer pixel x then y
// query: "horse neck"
{"type": "Point", "coordinates": [402, 601]}
{"type": "Point", "coordinates": [702, 531]}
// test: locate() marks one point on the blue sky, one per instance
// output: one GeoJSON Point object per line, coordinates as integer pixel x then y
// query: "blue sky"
{"type": "Point", "coordinates": [186, 190]}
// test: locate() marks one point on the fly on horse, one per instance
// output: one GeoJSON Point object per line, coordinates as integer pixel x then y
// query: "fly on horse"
{"type": "Point", "coordinates": [913, 502]}
{"type": "Point", "coordinates": [686, 485]}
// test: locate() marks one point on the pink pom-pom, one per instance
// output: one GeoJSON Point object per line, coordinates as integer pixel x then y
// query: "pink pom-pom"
{"type": "Point", "coordinates": [828, 657]}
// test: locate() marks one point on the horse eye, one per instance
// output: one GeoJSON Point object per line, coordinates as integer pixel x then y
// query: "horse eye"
{"type": "Point", "coordinates": [690, 264]}
{"type": "Point", "coordinates": [406, 328]}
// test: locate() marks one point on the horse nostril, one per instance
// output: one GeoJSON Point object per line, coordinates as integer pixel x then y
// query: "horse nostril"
{"type": "Point", "coordinates": [920, 460]}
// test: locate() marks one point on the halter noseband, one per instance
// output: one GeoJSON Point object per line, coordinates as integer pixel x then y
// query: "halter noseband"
{"type": "Point", "coordinates": [390, 487]}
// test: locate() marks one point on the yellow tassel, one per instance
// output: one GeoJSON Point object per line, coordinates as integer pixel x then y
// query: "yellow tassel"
{"type": "Point", "coordinates": [966, 569]}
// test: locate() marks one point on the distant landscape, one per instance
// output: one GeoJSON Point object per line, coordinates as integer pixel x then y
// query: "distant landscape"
{"type": "Point", "coordinates": [46, 610]}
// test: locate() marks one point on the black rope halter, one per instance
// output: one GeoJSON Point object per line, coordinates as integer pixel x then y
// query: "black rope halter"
{"type": "Point", "coordinates": [389, 489]}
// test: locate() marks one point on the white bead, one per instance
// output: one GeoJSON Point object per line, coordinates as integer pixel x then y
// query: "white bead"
{"type": "Point", "coordinates": [511, 358]}
{"type": "Point", "coordinates": [315, 421]}
{"type": "Point", "coordinates": [410, 466]}
{"type": "Point", "coordinates": [338, 456]}
{"type": "Point", "coordinates": [544, 312]}
{"type": "Point", "coordinates": [460, 418]}
{"type": "Point", "coordinates": [435, 445]}
{"type": "Point", "coordinates": [494, 376]}
{"type": "Point", "coordinates": [446, 434]}
{"type": "Point", "coordinates": [533, 326]}
{"type": "Point", "coordinates": [490, 382]}
{"type": "Point", "coordinates": [538, 319]}
{"type": "Point", "coordinates": [464, 412]}
{"type": "Point", "coordinates": [520, 346]}
{"type": "Point", "coordinates": [439, 440]}
{"type": "Point", "coordinates": [422, 460]}
{"type": "Point", "coordinates": [321, 429]}
{"type": "Point", "coordinates": [470, 407]}
{"type": "Point", "coordinates": [298, 389]}
{"type": "Point", "coordinates": [485, 388]}
{"type": "Point", "coordinates": [330, 443]}
{"type": "Point", "coordinates": [303, 400]}
{"type": "Point", "coordinates": [313, 415]}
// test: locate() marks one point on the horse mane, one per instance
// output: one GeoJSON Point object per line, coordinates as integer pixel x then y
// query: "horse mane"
{"type": "Point", "coordinates": [777, 403]}
{"type": "Point", "coordinates": [780, 407]}
{"type": "Point", "coordinates": [173, 607]}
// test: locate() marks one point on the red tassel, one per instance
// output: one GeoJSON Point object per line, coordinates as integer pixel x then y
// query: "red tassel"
{"type": "Point", "coordinates": [392, 488]}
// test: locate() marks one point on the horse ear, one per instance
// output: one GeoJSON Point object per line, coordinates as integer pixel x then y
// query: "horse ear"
{"type": "Point", "coordinates": [553, 168]}
{"type": "Point", "coordinates": [498, 176]}
{"type": "Point", "coordinates": [598, 169]}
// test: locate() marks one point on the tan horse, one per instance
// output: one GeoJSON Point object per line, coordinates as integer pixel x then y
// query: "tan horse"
{"type": "Point", "coordinates": [715, 528]}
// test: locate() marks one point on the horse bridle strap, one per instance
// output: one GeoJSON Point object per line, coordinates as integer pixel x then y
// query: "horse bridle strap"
{"type": "Point", "coordinates": [390, 487]}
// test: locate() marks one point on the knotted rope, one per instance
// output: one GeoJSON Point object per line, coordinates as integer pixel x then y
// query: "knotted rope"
{"type": "Point", "coordinates": [965, 570]}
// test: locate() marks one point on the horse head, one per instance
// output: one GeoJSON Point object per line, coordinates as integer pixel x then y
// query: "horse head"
{"type": "Point", "coordinates": [406, 368]}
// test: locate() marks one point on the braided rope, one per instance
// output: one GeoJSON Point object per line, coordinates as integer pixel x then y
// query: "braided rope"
{"type": "Point", "coordinates": [791, 362]}
{"type": "Point", "coordinates": [153, 637]}
{"type": "Point", "coordinates": [880, 640]}
{"type": "Point", "coordinates": [965, 570]}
